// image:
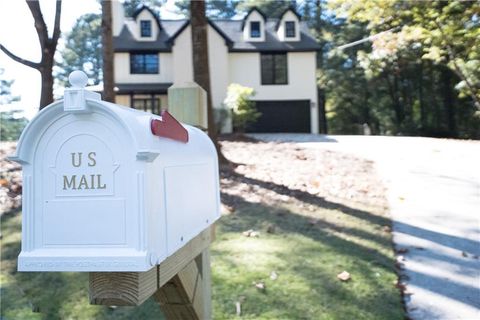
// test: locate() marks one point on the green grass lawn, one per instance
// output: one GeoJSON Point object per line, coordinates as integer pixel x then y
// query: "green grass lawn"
{"type": "Point", "coordinates": [306, 255]}
{"type": "Point", "coordinates": [51, 295]}
{"type": "Point", "coordinates": [305, 240]}
{"type": "Point", "coordinates": [313, 240]}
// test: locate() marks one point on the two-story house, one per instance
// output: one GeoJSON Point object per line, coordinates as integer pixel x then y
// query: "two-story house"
{"type": "Point", "coordinates": [276, 57]}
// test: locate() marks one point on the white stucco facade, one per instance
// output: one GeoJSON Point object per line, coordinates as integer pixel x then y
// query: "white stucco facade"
{"type": "Point", "coordinates": [122, 69]}
{"type": "Point", "coordinates": [182, 57]}
{"type": "Point", "coordinates": [118, 19]}
{"type": "Point", "coordinates": [226, 66]}
{"type": "Point", "coordinates": [245, 70]}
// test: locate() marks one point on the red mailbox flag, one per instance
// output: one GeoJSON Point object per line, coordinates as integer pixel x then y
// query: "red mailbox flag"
{"type": "Point", "coordinates": [169, 127]}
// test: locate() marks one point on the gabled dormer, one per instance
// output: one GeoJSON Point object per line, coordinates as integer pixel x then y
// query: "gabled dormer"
{"type": "Point", "coordinates": [145, 24]}
{"type": "Point", "coordinates": [253, 25]}
{"type": "Point", "coordinates": [288, 26]}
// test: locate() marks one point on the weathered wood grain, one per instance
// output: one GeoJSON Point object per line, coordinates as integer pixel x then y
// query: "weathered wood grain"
{"type": "Point", "coordinates": [133, 288]}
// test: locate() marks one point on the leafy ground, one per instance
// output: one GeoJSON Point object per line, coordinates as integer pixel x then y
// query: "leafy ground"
{"type": "Point", "coordinates": [293, 220]}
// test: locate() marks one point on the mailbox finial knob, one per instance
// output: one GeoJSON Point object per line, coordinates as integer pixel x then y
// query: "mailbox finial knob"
{"type": "Point", "coordinates": [78, 79]}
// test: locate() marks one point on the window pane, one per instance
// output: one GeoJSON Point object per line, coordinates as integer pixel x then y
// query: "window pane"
{"type": "Point", "coordinates": [137, 63]}
{"type": "Point", "coordinates": [255, 29]}
{"type": "Point", "coordinates": [138, 104]}
{"type": "Point", "coordinates": [290, 29]}
{"type": "Point", "coordinates": [267, 68]}
{"type": "Point", "coordinates": [144, 63]}
{"type": "Point", "coordinates": [145, 28]}
{"type": "Point", "coordinates": [281, 68]}
{"type": "Point", "coordinates": [147, 104]}
{"type": "Point", "coordinates": [151, 63]}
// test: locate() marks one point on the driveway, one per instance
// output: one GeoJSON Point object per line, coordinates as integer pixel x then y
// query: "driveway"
{"type": "Point", "coordinates": [434, 196]}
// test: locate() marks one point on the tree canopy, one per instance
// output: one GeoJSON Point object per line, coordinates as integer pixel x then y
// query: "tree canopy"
{"type": "Point", "coordinates": [5, 89]}
{"type": "Point", "coordinates": [417, 73]}
{"type": "Point", "coordinates": [83, 50]}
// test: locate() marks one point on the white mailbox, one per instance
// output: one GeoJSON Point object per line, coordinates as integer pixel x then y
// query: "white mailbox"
{"type": "Point", "coordinates": [103, 193]}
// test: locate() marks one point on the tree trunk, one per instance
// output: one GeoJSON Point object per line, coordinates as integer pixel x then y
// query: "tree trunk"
{"type": "Point", "coordinates": [46, 96]}
{"type": "Point", "coordinates": [366, 107]}
{"type": "Point", "coordinates": [201, 71]}
{"type": "Point", "coordinates": [393, 90]}
{"type": "Point", "coordinates": [420, 98]}
{"type": "Point", "coordinates": [448, 101]}
{"type": "Point", "coordinates": [107, 53]}
{"type": "Point", "coordinates": [322, 113]}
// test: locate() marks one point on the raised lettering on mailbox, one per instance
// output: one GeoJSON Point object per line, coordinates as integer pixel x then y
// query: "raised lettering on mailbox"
{"type": "Point", "coordinates": [95, 181]}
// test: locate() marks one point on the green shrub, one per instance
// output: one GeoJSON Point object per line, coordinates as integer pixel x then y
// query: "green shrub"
{"type": "Point", "coordinates": [243, 108]}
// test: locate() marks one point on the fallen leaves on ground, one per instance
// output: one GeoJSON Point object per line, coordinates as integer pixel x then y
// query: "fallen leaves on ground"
{"type": "Point", "coordinates": [251, 233]}
{"type": "Point", "coordinates": [320, 176]}
{"type": "Point", "coordinates": [403, 288]}
{"type": "Point", "coordinates": [273, 275]}
{"type": "Point", "coordinates": [10, 179]}
{"type": "Point", "coordinates": [402, 250]}
{"type": "Point", "coordinates": [344, 276]}
{"type": "Point", "coordinates": [260, 285]}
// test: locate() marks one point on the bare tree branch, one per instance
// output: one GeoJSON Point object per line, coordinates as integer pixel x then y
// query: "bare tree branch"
{"type": "Point", "coordinates": [56, 27]}
{"type": "Point", "coordinates": [40, 25]}
{"type": "Point", "coordinates": [18, 59]}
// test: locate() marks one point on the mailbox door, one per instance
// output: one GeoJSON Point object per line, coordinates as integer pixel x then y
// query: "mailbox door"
{"type": "Point", "coordinates": [81, 184]}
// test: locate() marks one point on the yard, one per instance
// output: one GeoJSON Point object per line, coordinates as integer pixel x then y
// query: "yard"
{"type": "Point", "coordinates": [293, 220]}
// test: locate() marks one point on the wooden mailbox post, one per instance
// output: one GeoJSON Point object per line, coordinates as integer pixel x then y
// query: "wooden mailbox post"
{"type": "Point", "coordinates": [128, 196]}
{"type": "Point", "coordinates": [181, 283]}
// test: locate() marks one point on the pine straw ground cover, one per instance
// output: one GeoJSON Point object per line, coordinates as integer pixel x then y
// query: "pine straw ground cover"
{"type": "Point", "coordinates": [293, 220]}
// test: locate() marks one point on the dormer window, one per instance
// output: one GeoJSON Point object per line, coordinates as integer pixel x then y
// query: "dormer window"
{"type": "Point", "coordinates": [288, 26]}
{"type": "Point", "coordinates": [290, 29]}
{"type": "Point", "coordinates": [255, 29]}
{"type": "Point", "coordinates": [145, 28]}
{"type": "Point", "coordinates": [253, 26]}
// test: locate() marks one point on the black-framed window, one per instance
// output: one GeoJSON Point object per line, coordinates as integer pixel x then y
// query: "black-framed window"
{"type": "Point", "coordinates": [148, 104]}
{"type": "Point", "coordinates": [274, 68]}
{"type": "Point", "coordinates": [145, 28]}
{"type": "Point", "coordinates": [254, 29]}
{"type": "Point", "coordinates": [144, 63]}
{"type": "Point", "coordinates": [290, 29]}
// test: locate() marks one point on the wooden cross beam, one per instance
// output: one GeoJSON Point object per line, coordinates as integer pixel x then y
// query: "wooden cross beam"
{"type": "Point", "coordinates": [181, 283]}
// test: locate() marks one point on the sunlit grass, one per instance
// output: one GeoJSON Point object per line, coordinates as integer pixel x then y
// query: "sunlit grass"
{"type": "Point", "coordinates": [306, 257]}
{"type": "Point", "coordinates": [51, 295]}
{"type": "Point", "coordinates": [309, 246]}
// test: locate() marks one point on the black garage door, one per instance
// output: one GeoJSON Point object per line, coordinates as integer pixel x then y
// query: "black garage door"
{"type": "Point", "coordinates": [282, 116]}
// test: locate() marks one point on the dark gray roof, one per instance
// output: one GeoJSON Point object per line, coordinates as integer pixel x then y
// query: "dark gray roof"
{"type": "Point", "coordinates": [142, 88]}
{"type": "Point", "coordinates": [230, 30]}
{"type": "Point", "coordinates": [233, 29]}
{"type": "Point", "coordinates": [125, 42]}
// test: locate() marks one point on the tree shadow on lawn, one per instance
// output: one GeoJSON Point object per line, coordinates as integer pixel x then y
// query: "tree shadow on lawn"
{"type": "Point", "coordinates": [317, 256]}
{"type": "Point", "coordinates": [255, 216]}
{"type": "Point", "coordinates": [308, 198]}
{"type": "Point", "coordinates": [462, 244]}
{"type": "Point", "coordinates": [337, 238]}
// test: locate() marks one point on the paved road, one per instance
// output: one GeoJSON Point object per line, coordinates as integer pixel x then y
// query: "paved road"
{"type": "Point", "coordinates": [434, 195]}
